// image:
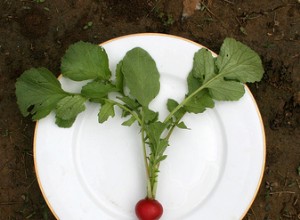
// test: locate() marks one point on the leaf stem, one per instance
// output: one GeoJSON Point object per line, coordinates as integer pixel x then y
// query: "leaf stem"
{"type": "Point", "coordinates": [154, 188]}
{"type": "Point", "coordinates": [149, 191]}
{"type": "Point", "coordinates": [141, 121]}
{"type": "Point", "coordinates": [203, 86]}
{"type": "Point", "coordinates": [184, 101]}
{"type": "Point", "coordinates": [150, 194]}
{"type": "Point", "coordinates": [173, 127]}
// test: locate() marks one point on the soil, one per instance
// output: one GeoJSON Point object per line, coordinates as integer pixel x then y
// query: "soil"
{"type": "Point", "coordinates": [36, 33]}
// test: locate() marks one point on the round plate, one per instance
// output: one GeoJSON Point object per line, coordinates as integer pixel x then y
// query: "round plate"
{"type": "Point", "coordinates": [95, 171]}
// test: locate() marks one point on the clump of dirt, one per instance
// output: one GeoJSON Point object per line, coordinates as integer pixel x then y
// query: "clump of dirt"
{"type": "Point", "coordinates": [36, 34]}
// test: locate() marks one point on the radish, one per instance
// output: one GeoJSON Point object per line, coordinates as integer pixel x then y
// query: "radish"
{"type": "Point", "coordinates": [148, 209]}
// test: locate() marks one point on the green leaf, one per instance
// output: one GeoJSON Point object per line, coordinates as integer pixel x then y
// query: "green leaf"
{"type": "Point", "coordinates": [68, 108]}
{"type": "Point", "coordinates": [204, 65]}
{"type": "Point", "coordinates": [154, 131]}
{"type": "Point", "coordinates": [171, 105]}
{"type": "Point", "coordinates": [96, 90]}
{"type": "Point", "coordinates": [84, 61]}
{"type": "Point", "coordinates": [149, 115]}
{"type": "Point", "coordinates": [107, 110]}
{"type": "Point", "coordinates": [193, 82]}
{"type": "Point", "coordinates": [38, 91]}
{"type": "Point", "coordinates": [124, 113]}
{"type": "Point", "coordinates": [161, 147]}
{"type": "Point", "coordinates": [226, 90]}
{"type": "Point", "coordinates": [161, 158]}
{"type": "Point", "coordinates": [141, 75]}
{"type": "Point", "coordinates": [236, 64]}
{"type": "Point", "coordinates": [237, 61]}
{"type": "Point", "coordinates": [199, 102]}
{"type": "Point", "coordinates": [129, 122]}
{"type": "Point", "coordinates": [131, 103]}
{"type": "Point", "coordinates": [119, 77]}
{"type": "Point", "coordinates": [64, 123]}
{"type": "Point", "coordinates": [182, 125]}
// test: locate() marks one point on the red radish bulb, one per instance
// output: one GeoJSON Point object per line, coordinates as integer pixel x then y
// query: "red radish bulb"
{"type": "Point", "coordinates": [148, 209]}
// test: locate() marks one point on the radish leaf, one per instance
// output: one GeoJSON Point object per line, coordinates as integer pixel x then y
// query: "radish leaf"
{"type": "Point", "coordinates": [141, 75]}
{"type": "Point", "coordinates": [119, 77]}
{"type": "Point", "coordinates": [38, 92]}
{"type": "Point", "coordinates": [199, 102]}
{"type": "Point", "coordinates": [237, 61]}
{"type": "Point", "coordinates": [182, 125]}
{"type": "Point", "coordinates": [204, 65]}
{"type": "Point", "coordinates": [107, 110]}
{"type": "Point", "coordinates": [131, 103]}
{"type": "Point", "coordinates": [97, 90]}
{"type": "Point", "coordinates": [220, 89]}
{"type": "Point", "coordinates": [70, 106]}
{"type": "Point", "coordinates": [129, 122]}
{"type": "Point", "coordinates": [221, 78]}
{"type": "Point", "coordinates": [149, 115]}
{"type": "Point", "coordinates": [171, 105]}
{"type": "Point", "coordinates": [84, 61]}
{"type": "Point", "coordinates": [154, 131]}
{"type": "Point", "coordinates": [64, 123]}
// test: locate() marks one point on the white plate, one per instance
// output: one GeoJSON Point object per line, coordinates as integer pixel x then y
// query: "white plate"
{"type": "Point", "coordinates": [95, 171]}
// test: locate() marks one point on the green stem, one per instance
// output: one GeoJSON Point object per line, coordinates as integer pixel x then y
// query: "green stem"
{"type": "Point", "coordinates": [149, 185]}
{"type": "Point", "coordinates": [205, 85]}
{"type": "Point", "coordinates": [141, 121]}
{"type": "Point", "coordinates": [172, 128]}
{"type": "Point", "coordinates": [154, 188]}
{"type": "Point", "coordinates": [184, 102]}
{"type": "Point", "coordinates": [155, 182]}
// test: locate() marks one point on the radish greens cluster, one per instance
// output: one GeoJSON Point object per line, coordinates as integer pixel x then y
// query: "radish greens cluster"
{"type": "Point", "coordinates": [135, 84]}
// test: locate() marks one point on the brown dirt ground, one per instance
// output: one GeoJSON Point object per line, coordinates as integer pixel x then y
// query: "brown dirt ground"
{"type": "Point", "coordinates": [37, 34]}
